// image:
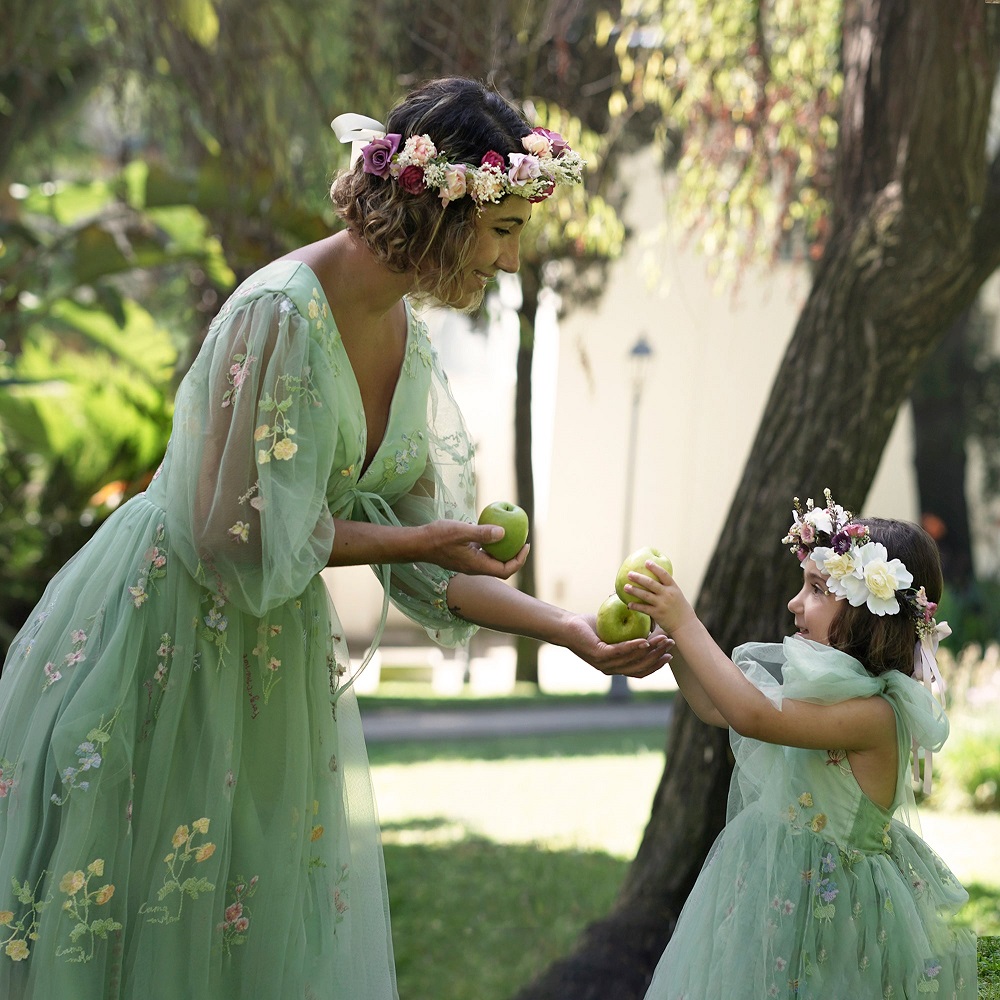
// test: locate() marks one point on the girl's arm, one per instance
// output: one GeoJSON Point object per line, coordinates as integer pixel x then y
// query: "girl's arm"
{"type": "Point", "coordinates": [493, 604]}
{"type": "Point", "coordinates": [694, 694]}
{"type": "Point", "coordinates": [857, 724]}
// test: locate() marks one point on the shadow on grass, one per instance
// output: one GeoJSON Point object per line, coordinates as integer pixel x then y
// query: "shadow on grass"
{"type": "Point", "coordinates": [471, 918]}
{"type": "Point", "coordinates": [595, 743]}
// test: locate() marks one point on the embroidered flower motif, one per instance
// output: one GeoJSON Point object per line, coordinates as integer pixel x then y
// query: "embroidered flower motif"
{"type": "Point", "coordinates": [76, 886]}
{"type": "Point", "coordinates": [818, 822]}
{"type": "Point", "coordinates": [236, 917]}
{"type": "Point", "coordinates": [154, 563]}
{"type": "Point", "coordinates": [806, 800]}
{"type": "Point", "coordinates": [176, 882]}
{"type": "Point", "coordinates": [8, 769]}
{"type": "Point", "coordinates": [287, 389]}
{"type": "Point", "coordinates": [240, 531]}
{"type": "Point", "coordinates": [284, 449]}
{"type": "Point", "coordinates": [238, 372]}
{"type": "Point", "coordinates": [89, 758]}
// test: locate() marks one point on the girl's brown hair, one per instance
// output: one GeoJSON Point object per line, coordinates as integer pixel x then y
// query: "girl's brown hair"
{"type": "Point", "coordinates": [416, 233]}
{"type": "Point", "coordinates": [886, 642]}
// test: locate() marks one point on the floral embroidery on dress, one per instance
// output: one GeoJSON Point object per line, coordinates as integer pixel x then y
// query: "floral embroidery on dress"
{"type": "Point", "coordinates": [89, 758]}
{"type": "Point", "coordinates": [928, 981]}
{"type": "Point", "coordinates": [271, 664]}
{"type": "Point", "coordinates": [155, 561]}
{"type": "Point", "coordinates": [420, 349]}
{"type": "Point", "coordinates": [213, 626]}
{"type": "Point", "coordinates": [8, 769]}
{"type": "Point", "coordinates": [341, 898]}
{"type": "Point", "coordinates": [237, 375]}
{"type": "Point", "coordinates": [76, 885]}
{"type": "Point", "coordinates": [184, 852]}
{"type": "Point", "coordinates": [76, 655]}
{"type": "Point", "coordinates": [277, 435]}
{"type": "Point", "coordinates": [236, 925]}
{"type": "Point", "coordinates": [156, 685]}
{"type": "Point", "coordinates": [25, 928]}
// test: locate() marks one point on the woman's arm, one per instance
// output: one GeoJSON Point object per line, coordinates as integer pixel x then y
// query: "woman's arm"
{"type": "Point", "coordinates": [493, 604]}
{"type": "Point", "coordinates": [453, 545]}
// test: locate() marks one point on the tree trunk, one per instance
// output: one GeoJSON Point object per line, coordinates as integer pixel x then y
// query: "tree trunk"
{"type": "Point", "coordinates": [940, 429]}
{"type": "Point", "coordinates": [527, 648]}
{"type": "Point", "coordinates": [917, 233]}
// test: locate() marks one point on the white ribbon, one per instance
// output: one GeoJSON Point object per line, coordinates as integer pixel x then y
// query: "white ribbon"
{"type": "Point", "coordinates": [359, 130]}
{"type": "Point", "coordinates": [925, 670]}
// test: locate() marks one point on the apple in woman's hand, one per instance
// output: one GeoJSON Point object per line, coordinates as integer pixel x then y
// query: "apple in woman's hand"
{"type": "Point", "coordinates": [514, 522]}
{"type": "Point", "coordinates": [636, 563]}
{"type": "Point", "coordinates": [616, 622]}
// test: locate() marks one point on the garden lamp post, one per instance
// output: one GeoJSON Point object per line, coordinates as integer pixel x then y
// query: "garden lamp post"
{"type": "Point", "coordinates": [639, 357]}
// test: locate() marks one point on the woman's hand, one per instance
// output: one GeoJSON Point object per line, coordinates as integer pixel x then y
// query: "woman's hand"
{"type": "Point", "coordinates": [635, 658]}
{"type": "Point", "coordinates": [458, 546]}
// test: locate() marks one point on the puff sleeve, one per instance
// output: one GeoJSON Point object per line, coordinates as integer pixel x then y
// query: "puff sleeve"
{"type": "Point", "coordinates": [255, 438]}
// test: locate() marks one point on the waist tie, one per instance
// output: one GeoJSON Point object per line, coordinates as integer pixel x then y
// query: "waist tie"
{"type": "Point", "coordinates": [376, 511]}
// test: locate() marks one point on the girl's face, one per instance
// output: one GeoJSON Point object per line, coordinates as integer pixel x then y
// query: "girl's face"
{"type": "Point", "coordinates": [814, 606]}
{"type": "Point", "coordinates": [498, 244]}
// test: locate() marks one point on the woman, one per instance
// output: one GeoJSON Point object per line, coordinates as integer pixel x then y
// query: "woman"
{"type": "Point", "coordinates": [185, 805]}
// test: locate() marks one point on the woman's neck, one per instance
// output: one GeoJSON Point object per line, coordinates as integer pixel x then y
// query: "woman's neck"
{"type": "Point", "coordinates": [357, 286]}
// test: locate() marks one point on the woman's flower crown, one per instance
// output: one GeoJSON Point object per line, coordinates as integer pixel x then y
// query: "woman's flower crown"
{"type": "Point", "coordinates": [858, 569]}
{"type": "Point", "coordinates": [547, 161]}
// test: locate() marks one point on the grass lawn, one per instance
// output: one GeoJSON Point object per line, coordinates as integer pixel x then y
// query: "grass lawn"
{"type": "Point", "coordinates": [500, 850]}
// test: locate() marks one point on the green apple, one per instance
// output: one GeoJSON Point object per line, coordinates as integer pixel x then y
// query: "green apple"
{"type": "Point", "coordinates": [514, 522]}
{"type": "Point", "coordinates": [636, 563]}
{"type": "Point", "coordinates": [617, 622]}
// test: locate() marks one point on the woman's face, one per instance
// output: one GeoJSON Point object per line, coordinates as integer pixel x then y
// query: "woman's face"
{"type": "Point", "coordinates": [814, 606]}
{"type": "Point", "coordinates": [497, 247]}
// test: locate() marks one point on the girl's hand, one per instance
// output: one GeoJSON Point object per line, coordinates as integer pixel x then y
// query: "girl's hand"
{"type": "Point", "coordinates": [635, 658]}
{"type": "Point", "coordinates": [658, 596]}
{"type": "Point", "coordinates": [458, 546]}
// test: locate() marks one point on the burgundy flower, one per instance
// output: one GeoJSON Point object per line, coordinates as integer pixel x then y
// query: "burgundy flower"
{"type": "Point", "coordinates": [493, 159]}
{"type": "Point", "coordinates": [378, 153]}
{"type": "Point", "coordinates": [411, 179]}
{"type": "Point", "coordinates": [543, 192]}
{"type": "Point", "coordinates": [559, 144]}
{"type": "Point", "coordinates": [840, 542]}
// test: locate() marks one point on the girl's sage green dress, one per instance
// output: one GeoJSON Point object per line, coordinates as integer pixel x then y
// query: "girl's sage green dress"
{"type": "Point", "coordinates": [185, 804]}
{"type": "Point", "coordinates": [813, 890]}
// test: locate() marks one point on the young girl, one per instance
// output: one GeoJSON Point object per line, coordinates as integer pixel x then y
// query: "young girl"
{"type": "Point", "coordinates": [814, 889]}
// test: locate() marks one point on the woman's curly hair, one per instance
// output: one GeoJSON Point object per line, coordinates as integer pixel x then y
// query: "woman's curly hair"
{"type": "Point", "coordinates": [417, 233]}
{"type": "Point", "coordinates": [886, 642]}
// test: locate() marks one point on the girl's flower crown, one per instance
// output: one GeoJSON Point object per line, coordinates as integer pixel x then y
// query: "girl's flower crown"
{"type": "Point", "coordinates": [858, 569]}
{"type": "Point", "coordinates": [547, 160]}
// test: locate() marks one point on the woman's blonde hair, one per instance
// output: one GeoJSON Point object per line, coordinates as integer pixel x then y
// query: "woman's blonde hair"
{"type": "Point", "coordinates": [417, 233]}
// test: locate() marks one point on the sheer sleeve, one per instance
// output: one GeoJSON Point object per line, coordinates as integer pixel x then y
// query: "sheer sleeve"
{"type": "Point", "coordinates": [255, 436]}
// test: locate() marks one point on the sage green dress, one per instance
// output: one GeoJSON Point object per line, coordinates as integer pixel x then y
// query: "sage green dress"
{"type": "Point", "coordinates": [185, 804]}
{"type": "Point", "coordinates": [813, 890]}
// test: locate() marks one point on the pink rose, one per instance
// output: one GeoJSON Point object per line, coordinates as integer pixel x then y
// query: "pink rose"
{"type": "Point", "coordinates": [523, 168]}
{"type": "Point", "coordinates": [536, 144]}
{"type": "Point", "coordinates": [378, 153]}
{"type": "Point", "coordinates": [454, 184]}
{"type": "Point", "coordinates": [855, 530]}
{"type": "Point", "coordinates": [411, 179]}
{"type": "Point", "coordinates": [420, 150]}
{"type": "Point", "coordinates": [492, 159]}
{"type": "Point", "coordinates": [558, 143]}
